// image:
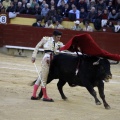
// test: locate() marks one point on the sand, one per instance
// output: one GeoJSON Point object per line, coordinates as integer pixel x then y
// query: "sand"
{"type": "Point", "coordinates": [16, 74]}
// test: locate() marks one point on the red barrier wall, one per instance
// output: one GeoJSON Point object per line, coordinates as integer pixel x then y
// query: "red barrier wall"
{"type": "Point", "coordinates": [27, 36]}
{"type": "Point", "coordinates": [1, 35]}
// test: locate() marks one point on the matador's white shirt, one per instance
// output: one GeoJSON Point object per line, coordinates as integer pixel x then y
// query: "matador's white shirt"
{"type": "Point", "coordinates": [48, 44]}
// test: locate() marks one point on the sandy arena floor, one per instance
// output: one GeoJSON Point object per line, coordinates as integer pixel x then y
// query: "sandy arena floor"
{"type": "Point", "coordinates": [16, 74]}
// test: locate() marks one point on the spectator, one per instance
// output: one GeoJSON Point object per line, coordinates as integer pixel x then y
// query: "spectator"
{"type": "Point", "coordinates": [20, 9]}
{"type": "Point", "coordinates": [33, 3]}
{"type": "Point", "coordinates": [37, 9]}
{"type": "Point", "coordinates": [61, 6]}
{"type": "Point", "coordinates": [112, 15]}
{"type": "Point", "coordinates": [110, 6]}
{"type": "Point", "coordinates": [24, 4]}
{"type": "Point", "coordinates": [110, 24]}
{"type": "Point", "coordinates": [48, 2]}
{"type": "Point", "coordinates": [52, 3]}
{"type": "Point", "coordinates": [118, 6]}
{"type": "Point", "coordinates": [65, 11]}
{"type": "Point", "coordinates": [105, 14]}
{"type": "Point", "coordinates": [87, 26]}
{"type": "Point", "coordinates": [2, 8]}
{"type": "Point", "coordinates": [88, 2]}
{"type": "Point", "coordinates": [39, 2]}
{"type": "Point", "coordinates": [6, 4]}
{"type": "Point", "coordinates": [58, 16]}
{"type": "Point", "coordinates": [83, 14]}
{"type": "Point", "coordinates": [71, 3]}
{"type": "Point", "coordinates": [104, 18]}
{"type": "Point", "coordinates": [49, 24]}
{"type": "Point", "coordinates": [100, 5]}
{"type": "Point", "coordinates": [103, 23]}
{"type": "Point", "coordinates": [92, 14]}
{"type": "Point", "coordinates": [11, 8]}
{"type": "Point", "coordinates": [76, 26]}
{"type": "Point", "coordinates": [15, 2]}
{"type": "Point", "coordinates": [43, 4]}
{"type": "Point", "coordinates": [37, 23]}
{"type": "Point", "coordinates": [116, 28]}
{"type": "Point", "coordinates": [118, 16]}
{"type": "Point", "coordinates": [58, 25]}
{"type": "Point", "coordinates": [75, 11]}
{"type": "Point", "coordinates": [82, 4]}
{"type": "Point", "coordinates": [98, 15]}
{"type": "Point", "coordinates": [61, 3]}
{"type": "Point", "coordinates": [92, 4]}
{"type": "Point", "coordinates": [51, 15]}
{"type": "Point", "coordinates": [44, 11]}
{"type": "Point", "coordinates": [29, 9]}
{"type": "Point", "coordinates": [107, 2]}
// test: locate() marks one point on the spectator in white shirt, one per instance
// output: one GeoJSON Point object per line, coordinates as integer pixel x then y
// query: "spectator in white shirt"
{"type": "Point", "coordinates": [49, 24]}
{"type": "Point", "coordinates": [76, 26]}
{"type": "Point", "coordinates": [44, 11]}
{"type": "Point", "coordinates": [87, 27]}
{"type": "Point", "coordinates": [76, 11]}
{"type": "Point", "coordinates": [117, 27]}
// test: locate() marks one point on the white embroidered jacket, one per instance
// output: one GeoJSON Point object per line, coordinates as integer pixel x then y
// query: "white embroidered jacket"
{"type": "Point", "coordinates": [48, 44]}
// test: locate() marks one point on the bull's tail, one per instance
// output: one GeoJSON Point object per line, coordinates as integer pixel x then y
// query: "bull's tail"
{"type": "Point", "coordinates": [31, 84]}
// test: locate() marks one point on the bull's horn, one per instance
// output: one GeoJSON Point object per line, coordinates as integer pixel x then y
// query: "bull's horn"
{"type": "Point", "coordinates": [97, 62]}
{"type": "Point", "coordinates": [113, 62]}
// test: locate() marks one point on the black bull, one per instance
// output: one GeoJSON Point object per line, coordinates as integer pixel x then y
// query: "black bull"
{"type": "Point", "coordinates": [92, 71]}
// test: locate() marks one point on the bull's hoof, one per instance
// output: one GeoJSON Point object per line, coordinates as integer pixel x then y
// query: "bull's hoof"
{"type": "Point", "coordinates": [65, 98]}
{"type": "Point", "coordinates": [98, 103]}
{"type": "Point", "coordinates": [48, 100]}
{"type": "Point", "coordinates": [107, 107]}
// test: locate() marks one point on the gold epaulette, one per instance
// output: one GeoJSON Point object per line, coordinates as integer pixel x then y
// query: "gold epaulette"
{"type": "Point", "coordinates": [46, 38]}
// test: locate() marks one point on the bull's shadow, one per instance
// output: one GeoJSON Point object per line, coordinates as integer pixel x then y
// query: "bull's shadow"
{"type": "Point", "coordinates": [83, 70]}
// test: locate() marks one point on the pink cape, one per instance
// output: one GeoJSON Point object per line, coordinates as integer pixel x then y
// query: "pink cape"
{"type": "Point", "coordinates": [88, 46]}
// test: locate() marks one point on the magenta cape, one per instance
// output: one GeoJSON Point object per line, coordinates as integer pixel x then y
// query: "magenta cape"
{"type": "Point", "coordinates": [88, 46]}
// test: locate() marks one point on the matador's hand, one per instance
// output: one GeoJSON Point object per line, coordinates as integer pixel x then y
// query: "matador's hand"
{"type": "Point", "coordinates": [33, 60]}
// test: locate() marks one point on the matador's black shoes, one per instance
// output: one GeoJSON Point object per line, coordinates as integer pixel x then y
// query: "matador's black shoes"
{"type": "Point", "coordinates": [44, 99]}
{"type": "Point", "coordinates": [34, 98]}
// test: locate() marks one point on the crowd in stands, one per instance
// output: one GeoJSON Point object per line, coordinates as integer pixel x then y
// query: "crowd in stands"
{"type": "Point", "coordinates": [54, 11]}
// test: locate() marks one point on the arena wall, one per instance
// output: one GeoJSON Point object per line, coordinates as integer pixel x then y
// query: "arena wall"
{"type": "Point", "coordinates": [16, 34]}
{"type": "Point", "coordinates": [27, 36]}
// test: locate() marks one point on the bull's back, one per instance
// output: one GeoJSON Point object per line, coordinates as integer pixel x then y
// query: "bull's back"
{"type": "Point", "coordinates": [65, 62]}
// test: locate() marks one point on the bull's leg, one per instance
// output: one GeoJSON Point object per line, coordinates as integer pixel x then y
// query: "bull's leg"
{"type": "Point", "coordinates": [102, 95]}
{"type": "Point", "coordinates": [40, 94]}
{"type": "Point", "coordinates": [60, 85]}
{"type": "Point", "coordinates": [93, 93]}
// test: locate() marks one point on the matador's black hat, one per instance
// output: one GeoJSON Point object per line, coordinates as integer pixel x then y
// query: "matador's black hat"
{"type": "Point", "coordinates": [56, 33]}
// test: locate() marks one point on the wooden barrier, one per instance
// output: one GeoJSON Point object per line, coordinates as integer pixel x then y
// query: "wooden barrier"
{"type": "Point", "coordinates": [27, 36]}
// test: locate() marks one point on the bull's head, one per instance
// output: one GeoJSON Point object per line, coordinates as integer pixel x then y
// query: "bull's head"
{"type": "Point", "coordinates": [103, 69]}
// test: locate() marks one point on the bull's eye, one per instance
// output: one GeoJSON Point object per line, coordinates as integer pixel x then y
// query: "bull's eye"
{"type": "Point", "coordinates": [102, 68]}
